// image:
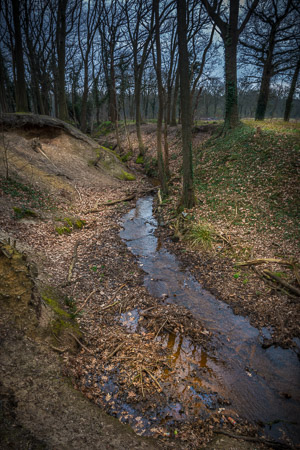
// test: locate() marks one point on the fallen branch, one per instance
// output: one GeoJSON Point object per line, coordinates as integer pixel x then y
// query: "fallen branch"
{"type": "Point", "coordinates": [282, 282]}
{"type": "Point", "coordinates": [73, 262]}
{"type": "Point", "coordinates": [59, 350]}
{"type": "Point", "coordinates": [99, 208]}
{"type": "Point", "coordinates": [141, 375]}
{"type": "Point", "coordinates": [161, 328]}
{"type": "Point", "coordinates": [114, 296]}
{"type": "Point", "coordinates": [256, 262]}
{"type": "Point", "coordinates": [86, 300]}
{"type": "Point", "coordinates": [80, 343]}
{"type": "Point", "coordinates": [267, 442]}
{"type": "Point", "coordinates": [153, 377]}
{"type": "Point", "coordinates": [115, 351]}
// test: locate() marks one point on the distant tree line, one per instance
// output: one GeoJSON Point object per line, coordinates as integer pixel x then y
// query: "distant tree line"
{"type": "Point", "coordinates": [169, 60]}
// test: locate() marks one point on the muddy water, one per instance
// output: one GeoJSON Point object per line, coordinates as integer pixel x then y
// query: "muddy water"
{"type": "Point", "coordinates": [256, 381]}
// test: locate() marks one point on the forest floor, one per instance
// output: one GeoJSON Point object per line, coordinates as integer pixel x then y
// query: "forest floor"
{"type": "Point", "coordinates": [68, 226]}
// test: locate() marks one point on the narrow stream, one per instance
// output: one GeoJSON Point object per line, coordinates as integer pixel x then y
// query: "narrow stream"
{"type": "Point", "coordinates": [262, 385]}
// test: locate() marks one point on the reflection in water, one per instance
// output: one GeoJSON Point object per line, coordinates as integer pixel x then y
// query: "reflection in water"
{"type": "Point", "coordinates": [252, 378]}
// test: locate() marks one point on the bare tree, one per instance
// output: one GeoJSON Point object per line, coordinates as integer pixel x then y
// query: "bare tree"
{"type": "Point", "coordinates": [89, 17]}
{"type": "Point", "coordinates": [161, 162]}
{"type": "Point", "coordinates": [140, 28]}
{"type": "Point", "coordinates": [227, 21]}
{"type": "Point", "coordinates": [188, 196]}
{"type": "Point", "coordinates": [270, 44]}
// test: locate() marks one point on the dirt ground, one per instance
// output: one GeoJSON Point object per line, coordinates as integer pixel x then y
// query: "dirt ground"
{"type": "Point", "coordinates": [98, 283]}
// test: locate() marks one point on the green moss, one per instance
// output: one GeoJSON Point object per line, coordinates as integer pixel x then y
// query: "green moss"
{"type": "Point", "coordinates": [140, 159]}
{"type": "Point", "coordinates": [79, 224]}
{"type": "Point", "coordinates": [55, 306]}
{"type": "Point", "coordinates": [126, 176]}
{"type": "Point", "coordinates": [112, 152]}
{"type": "Point", "coordinates": [63, 230]}
{"type": "Point", "coordinates": [126, 157]}
{"type": "Point", "coordinates": [22, 212]}
{"type": "Point", "coordinates": [71, 224]}
{"type": "Point", "coordinates": [59, 325]}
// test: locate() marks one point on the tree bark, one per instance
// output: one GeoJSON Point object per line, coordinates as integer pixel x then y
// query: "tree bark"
{"type": "Point", "coordinates": [161, 165]}
{"type": "Point", "coordinates": [289, 100]}
{"type": "Point", "coordinates": [21, 95]}
{"type": "Point", "coordinates": [188, 196]}
{"type": "Point", "coordinates": [173, 122]}
{"type": "Point", "coordinates": [61, 57]}
{"type": "Point", "coordinates": [264, 91]}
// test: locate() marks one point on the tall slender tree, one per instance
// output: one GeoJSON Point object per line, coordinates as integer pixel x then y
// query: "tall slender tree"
{"type": "Point", "coordinates": [20, 88]}
{"type": "Point", "coordinates": [161, 162]}
{"type": "Point", "coordinates": [188, 195]}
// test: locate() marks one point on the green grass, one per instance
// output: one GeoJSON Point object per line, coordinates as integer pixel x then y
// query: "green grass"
{"type": "Point", "coordinates": [200, 234]}
{"type": "Point", "coordinates": [250, 178]}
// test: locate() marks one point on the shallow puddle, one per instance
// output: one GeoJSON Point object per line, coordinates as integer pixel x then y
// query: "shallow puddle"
{"type": "Point", "coordinates": [255, 381]}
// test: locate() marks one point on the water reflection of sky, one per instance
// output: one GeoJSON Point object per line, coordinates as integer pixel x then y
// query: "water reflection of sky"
{"type": "Point", "coordinates": [252, 377]}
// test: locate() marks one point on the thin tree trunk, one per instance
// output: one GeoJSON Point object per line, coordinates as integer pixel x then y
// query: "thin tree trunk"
{"type": "Point", "coordinates": [175, 98]}
{"type": "Point", "coordinates": [188, 196]}
{"type": "Point", "coordinates": [231, 97]}
{"type": "Point", "coordinates": [137, 99]}
{"type": "Point", "coordinates": [84, 98]}
{"type": "Point", "coordinates": [20, 87]}
{"type": "Point", "coordinates": [61, 57]}
{"type": "Point", "coordinates": [161, 166]}
{"type": "Point", "coordinates": [289, 100]}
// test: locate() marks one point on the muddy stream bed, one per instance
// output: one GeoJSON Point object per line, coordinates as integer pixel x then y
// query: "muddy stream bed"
{"type": "Point", "coordinates": [259, 385]}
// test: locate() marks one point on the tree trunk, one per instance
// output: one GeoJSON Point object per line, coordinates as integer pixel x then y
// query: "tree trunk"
{"type": "Point", "coordinates": [61, 57]}
{"type": "Point", "coordinates": [264, 91]}
{"type": "Point", "coordinates": [263, 96]}
{"type": "Point", "coordinates": [84, 98]}
{"type": "Point", "coordinates": [289, 100]}
{"type": "Point", "coordinates": [161, 166]}
{"type": "Point", "coordinates": [3, 86]}
{"type": "Point", "coordinates": [188, 196]}
{"type": "Point", "coordinates": [20, 87]}
{"type": "Point", "coordinates": [137, 99]}
{"type": "Point", "coordinates": [173, 122]}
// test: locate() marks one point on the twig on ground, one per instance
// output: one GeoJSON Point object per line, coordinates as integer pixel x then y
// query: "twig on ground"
{"type": "Point", "coordinates": [282, 282]}
{"type": "Point", "coordinates": [153, 377]}
{"type": "Point", "coordinates": [114, 296]}
{"type": "Point", "coordinates": [59, 350]}
{"type": "Point", "coordinates": [256, 262]}
{"type": "Point", "coordinates": [141, 375]}
{"type": "Point", "coordinates": [73, 262]}
{"type": "Point", "coordinates": [161, 328]}
{"type": "Point", "coordinates": [86, 300]}
{"type": "Point", "coordinates": [80, 343]}
{"type": "Point", "coordinates": [115, 351]}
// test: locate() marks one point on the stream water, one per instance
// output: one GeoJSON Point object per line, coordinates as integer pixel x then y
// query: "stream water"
{"type": "Point", "coordinates": [262, 385]}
